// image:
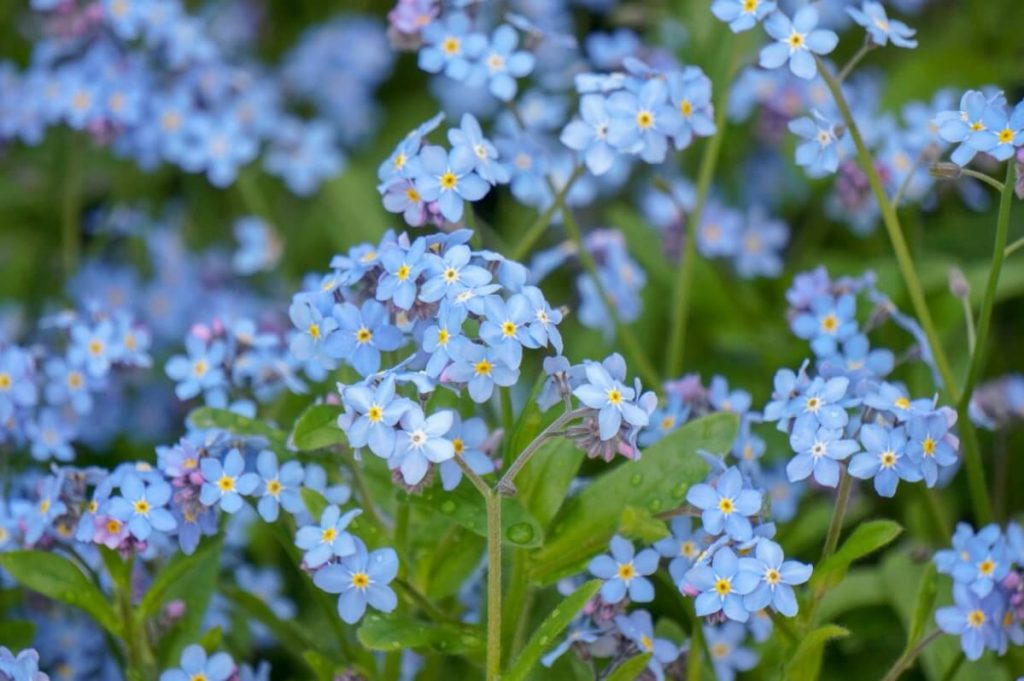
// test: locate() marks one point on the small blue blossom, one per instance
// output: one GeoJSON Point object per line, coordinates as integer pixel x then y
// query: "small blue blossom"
{"type": "Point", "coordinates": [141, 506]}
{"type": "Point", "coordinates": [278, 486]}
{"type": "Point", "coordinates": [884, 459]}
{"type": "Point", "coordinates": [974, 619]}
{"type": "Point", "coordinates": [726, 506]}
{"type": "Point", "coordinates": [797, 42]}
{"type": "Point", "coordinates": [742, 15]}
{"type": "Point", "coordinates": [1003, 132]}
{"type": "Point", "coordinates": [449, 179]}
{"type": "Point", "coordinates": [480, 368]}
{"type": "Point", "coordinates": [682, 547]}
{"type": "Point", "coordinates": [471, 138]}
{"type": "Point", "coordinates": [195, 665]}
{"type": "Point", "coordinates": [829, 322]}
{"type": "Point", "coordinates": [778, 578]}
{"type": "Point", "coordinates": [500, 63]}
{"type": "Point", "coordinates": [449, 46]}
{"type": "Point", "coordinates": [505, 327]}
{"type": "Point", "coordinates": [468, 439]}
{"type": "Point", "coordinates": [721, 586]}
{"type": "Point", "coordinates": [364, 332]}
{"type": "Point", "coordinates": [612, 400]}
{"type": "Point", "coordinates": [402, 267]}
{"type": "Point", "coordinates": [690, 92]}
{"type": "Point", "coordinates": [638, 628]}
{"type": "Point", "coordinates": [69, 384]}
{"type": "Point", "coordinates": [818, 450]}
{"type": "Point", "coordinates": [329, 539]}
{"type": "Point", "coordinates": [51, 435]}
{"type": "Point", "coordinates": [625, 572]}
{"type": "Point", "coordinates": [420, 441]}
{"type": "Point", "coordinates": [93, 347]}
{"type": "Point", "coordinates": [378, 411]}
{"type": "Point", "coordinates": [224, 483]}
{"type": "Point", "coordinates": [642, 122]}
{"type": "Point", "coordinates": [930, 446]}
{"type": "Point", "coordinates": [317, 339]}
{"type": "Point", "coordinates": [871, 15]}
{"type": "Point", "coordinates": [544, 327]}
{"type": "Point", "coordinates": [819, 153]}
{"type": "Point", "coordinates": [728, 656]}
{"type": "Point", "coordinates": [200, 371]}
{"type": "Point", "coordinates": [361, 578]}
{"type": "Point", "coordinates": [588, 134]}
{"type": "Point", "coordinates": [450, 274]}
{"type": "Point", "coordinates": [17, 387]}
{"type": "Point", "coordinates": [24, 667]}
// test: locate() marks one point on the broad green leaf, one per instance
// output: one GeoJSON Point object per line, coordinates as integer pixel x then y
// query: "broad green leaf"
{"type": "Point", "coordinates": [631, 669]}
{"type": "Point", "coordinates": [866, 538]}
{"type": "Point", "coordinates": [447, 566]}
{"type": "Point", "coordinates": [641, 525]}
{"type": "Point", "coordinates": [179, 567]}
{"type": "Point", "coordinates": [543, 482]}
{"type": "Point", "coordinates": [657, 482]}
{"type": "Point", "coordinates": [465, 506]}
{"type": "Point", "coordinates": [924, 603]}
{"type": "Point", "coordinates": [860, 588]}
{"type": "Point", "coordinates": [17, 634]}
{"type": "Point", "coordinates": [236, 424]}
{"type": "Point", "coordinates": [120, 570]}
{"type": "Point", "coordinates": [806, 661]}
{"type": "Point", "coordinates": [60, 579]}
{"type": "Point", "coordinates": [316, 428]}
{"type": "Point", "coordinates": [314, 501]}
{"type": "Point", "coordinates": [321, 666]}
{"type": "Point", "coordinates": [211, 639]}
{"type": "Point", "coordinates": [546, 636]}
{"type": "Point", "coordinates": [193, 585]}
{"type": "Point", "coordinates": [291, 635]}
{"type": "Point", "coordinates": [397, 633]}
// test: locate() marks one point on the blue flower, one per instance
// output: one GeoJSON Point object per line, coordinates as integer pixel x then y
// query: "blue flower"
{"type": "Point", "coordinates": [378, 411]}
{"type": "Point", "coordinates": [682, 547]}
{"type": "Point", "coordinates": [625, 573]}
{"type": "Point", "coordinates": [828, 322]}
{"type": "Point", "coordinates": [69, 384]}
{"type": "Point", "coordinates": [638, 628]}
{"type": "Point", "coordinates": [451, 274]}
{"type": "Point", "coordinates": [17, 387]}
{"type": "Point", "coordinates": [721, 586]}
{"type": "Point", "coordinates": [449, 179]}
{"type": "Point", "coordinates": [317, 339]}
{"type": "Point", "coordinates": [505, 327]}
{"type": "Point", "coordinates": [881, 28]}
{"type": "Point", "coordinates": [690, 92]}
{"type": "Point", "coordinates": [818, 451]}
{"type": "Point", "coordinates": [401, 196]}
{"type": "Point", "coordinates": [612, 399]}
{"type": "Point", "coordinates": [421, 440]}
{"type": "Point", "coordinates": [819, 154]}
{"type": "Point", "coordinates": [930, 446]}
{"type": "Point", "coordinates": [798, 42]}
{"type": "Point", "coordinates": [142, 506]}
{"type": "Point", "coordinates": [726, 506]}
{"type": "Point", "coordinates": [218, 145]}
{"type": "Point", "coordinates": [588, 134]}
{"type": "Point", "coordinates": [544, 327]}
{"type": "Point", "coordinates": [777, 578]}
{"type": "Point", "coordinates": [328, 539]}
{"type": "Point", "coordinates": [364, 332]}
{"type": "Point", "coordinates": [51, 435]}
{"type": "Point", "coordinates": [470, 138]}
{"type": "Point", "coordinates": [723, 399]}
{"type": "Point", "coordinates": [93, 347]}
{"type": "Point", "coordinates": [449, 46]}
{"type": "Point", "coordinates": [983, 561]}
{"type": "Point", "coordinates": [742, 15]}
{"type": "Point", "coordinates": [223, 484]}
{"type": "Point", "coordinates": [361, 578]}
{"type": "Point", "coordinates": [200, 371]}
{"type": "Point", "coordinates": [468, 439]}
{"type": "Point", "coordinates": [884, 459]}
{"type": "Point", "coordinates": [442, 337]}
{"type": "Point", "coordinates": [480, 368]}
{"type": "Point", "coordinates": [500, 63]}
{"type": "Point", "coordinates": [402, 267]}
{"type": "Point", "coordinates": [278, 486]}
{"type": "Point", "coordinates": [891, 398]}
{"type": "Point", "coordinates": [195, 665]}
{"type": "Point", "coordinates": [974, 619]}
{"type": "Point", "coordinates": [641, 123]}
{"type": "Point", "coordinates": [728, 655]}
{"type": "Point", "coordinates": [965, 126]}
{"type": "Point", "coordinates": [1003, 133]}
{"type": "Point", "coordinates": [24, 667]}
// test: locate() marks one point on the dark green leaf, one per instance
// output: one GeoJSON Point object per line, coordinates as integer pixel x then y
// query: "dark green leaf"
{"type": "Point", "coordinates": [120, 570]}
{"type": "Point", "coordinates": [806, 661]}
{"type": "Point", "coordinates": [465, 506]}
{"type": "Point", "coordinates": [657, 482]}
{"type": "Point", "coordinates": [923, 605]}
{"type": "Point", "coordinates": [543, 482]}
{"type": "Point", "coordinates": [314, 501]}
{"type": "Point", "coordinates": [60, 579]}
{"type": "Point", "coordinates": [641, 525]}
{"type": "Point", "coordinates": [236, 424]}
{"type": "Point", "coordinates": [211, 639]}
{"type": "Point", "coordinates": [17, 634]}
{"type": "Point", "coordinates": [397, 633]}
{"type": "Point", "coordinates": [451, 561]}
{"type": "Point", "coordinates": [545, 637]}
{"type": "Point", "coordinates": [867, 538]}
{"type": "Point", "coordinates": [179, 567]}
{"type": "Point", "coordinates": [631, 669]}
{"type": "Point", "coordinates": [317, 428]}
{"type": "Point", "coordinates": [288, 632]}
{"type": "Point", "coordinates": [194, 586]}
{"type": "Point", "coordinates": [321, 666]}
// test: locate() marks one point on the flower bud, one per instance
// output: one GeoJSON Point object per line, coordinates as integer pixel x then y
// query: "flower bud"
{"type": "Point", "coordinates": [958, 284]}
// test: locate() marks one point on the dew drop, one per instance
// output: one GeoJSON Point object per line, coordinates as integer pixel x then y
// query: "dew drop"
{"type": "Point", "coordinates": [544, 640]}
{"type": "Point", "coordinates": [636, 479]}
{"type": "Point", "coordinates": [520, 533]}
{"type": "Point", "coordinates": [448, 507]}
{"type": "Point", "coordinates": [654, 505]}
{"type": "Point", "coordinates": [679, 492]}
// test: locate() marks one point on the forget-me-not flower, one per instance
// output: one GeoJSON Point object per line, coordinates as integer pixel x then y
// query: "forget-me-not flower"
{"type": "Point", "coordinates": [625, 572]}
{"type": "Point", "coordinates": [361, 578]}
{"type": "Point", "coordinates": [797, 42]}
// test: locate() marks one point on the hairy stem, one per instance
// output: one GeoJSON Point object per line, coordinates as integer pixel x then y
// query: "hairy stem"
{"type": "Point", "coordinates": [907, 659]}
{"type": "Point", "coordinates": [493, 500]}
{"type": "Point", "coordinates": [507, 483]}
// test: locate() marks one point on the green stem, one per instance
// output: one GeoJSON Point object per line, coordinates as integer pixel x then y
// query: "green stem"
{"type": "Point", "coordinates": [972, 455]}
{"type": "Point", "coordinates": [636, 355]}
{"type": "Point", "coordinates": [252, 199]}
{"type": "Point", "coordinates": [507, 419]}
{"type": "Point", "coordinates": [493, 500]}
{"type": "Point", "coordinates": [421, 601]}
{"type": "Point", "coordinates": [683, 285]}
{"type": "Point", "coordinates": [835, 528]}
{"type": "Point", "coordinates": [854, 60]}
{"type": "Point", "coordinates": [987, 179]}
{"type": "Point", "coordinates": [988, 302]}
{"type": "Point", "coordinates": [507, 483]}
{"type": "Point", "coordinates": [71, 204]}
{"type": "Point", "coordinates": [907, 659]}
{"type": "Point", "coordinates": [1014, 247]}
{"type": "Point", "coordinates": [543, 221]}
{"type": "Point", "coordinates": [972, 336]}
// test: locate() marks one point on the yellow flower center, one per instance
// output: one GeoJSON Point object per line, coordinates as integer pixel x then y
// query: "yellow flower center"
{"type": "Point", "coordinates": [686, 108]}
{"type": "Point", "coordinates": [95, 347]}
{"type": "Point", "coordinates": [458, 445]}
{"type": "Point", "coordinates": [902, 403]}
{"type": "Point", "coordinates": [170, 121]}
{"type": "Point", "coordinates": [614, 397]}
{"type": "Point", "coordinates": [687, 549]}
{"type": "Point", "coordinates": [364, 335]}
{"type": "Point", "coordinates": [668, 422]}
{"type": "Point", "coordinates": [403, 272]}
{"type": "Point", "coordinates": [495, 62]}
{"type": "Point", "coordinates": [644, 119]}
{"type": "Point", "coordinates": [226, 483]}
{"type": "Point", "coordinates": [720, 650]}
{"type": "Point", "coordinates": [449, 180]}
{"type": "Point", "coordinates": [508, 328]}
{"type": "Point", "coordinates": [1006, 136]}
{"type": "Point", "coordinates": [142, 507]}
{"type": "Point", "coordinates": [626, 571]}
{"type": "Point", "coordinates": [360, 580]}
{"type": "Point", "coordinates": [830, 323]}
{"type": "Point", "coordinates": [723, 586]}
{"type": "Point", "coordinates": [726, 506]}
{"type": "Point", "coordinates": [399, 161]}
{"type": "Point", "coordinates": [44, 506]}
{"type": "Point", "coordinates": [328, 535]}
{"type": "Point", "coordinates": [795, 40]}
{"type": "Point", "coordinates": [129, 342]}
{"type": "Point", "coordinates": [772, 576]}
{"type": "Point", "coordinates": [483, 368]}
{"type": "Point", "coordinates": [888, 459]}
{"type": "Point", "coordinates": [75, 380]}
{"type": "Point", "coordinates": [113, 526]}
{"type": "Point", "coordinates": [443, 337]}
{"type": "Point", "coordinates": [451, 275]}
{"type": "Point", "coordinates": [977, 126]}
{"type": "Point", "coordinates": [975, 618]}
{"type": "Point", "coordinates": [749, 5]}
{"type": "Point", "coordinates": [198, 676]}
{"type": "Point", "coordinates": [413, 195]}
{"type": "Point", "coordinates": [199, 368]}
{"type": "Point", "coordinates": [451, 46]}
{"type": "Point", "coordinates": [986, 567]}
{"type": "Point", "coordinates": [5, 381]}
{"type": "Point", "coordinates": [646, 643]}
{"type": "Point", "coordinates": [375, 414]}
{"type": "Point", "coordinates": [274, 488]}
{"type": "Point", "coordinates": [928, 446]}
{"type": "Point", "coordinates": [93, 506]}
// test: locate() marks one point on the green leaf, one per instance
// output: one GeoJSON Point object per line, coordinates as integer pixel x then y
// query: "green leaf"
{"type": "Point", "coordinates": [211, 639]}
{"type": "Point", "coordinates": [923, 605]}
{"type": "Point", "coordinates": [314, 501]}
{"type": "Point", "coordinates": [465, 506]}
{"type": "Point", "coordinates": [806, 661]}
{"type": "Point", "coordinates": [194, 585]}
{"type": "Point", "coordinates": [639, 524]}
{"type": "Point", "coordinates": [657, 482]}
{"type": "Point", "coordinates": [120, 570]}
{"type": "Point", "coordinates": [17, 634]}
{"type": "Point", "coordinates": [288, 632]}
{"type": "Point", "coordinates": [544, 638]}
{"type": "Point", "coordinates": [60, 579]}
{"type": "Point", "coordinates": [450, 562]}
{"type": "Point", "coordinates": [397, 633]}
{"type": "Point", "coordinates": [316, 428]}
{"type": "Point", "coordinates": [159, 591]}
{"type": "Point", "coordinates": [631, 669]}
{"type": "Point", "coordinates": [542, 484]}
{"type": "Point", "coordinates": [321, 666]}
{"type": "Point", "coordinates": [867, 538]}
{"type": "Point", "coordinates": [236, 424]}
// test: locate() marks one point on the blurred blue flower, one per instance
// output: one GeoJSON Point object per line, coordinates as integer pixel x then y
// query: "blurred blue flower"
{"type": "Point", "coordinates": [797, 42]}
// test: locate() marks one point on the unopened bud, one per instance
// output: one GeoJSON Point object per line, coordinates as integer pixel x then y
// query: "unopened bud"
{"type": "Point", "coordinates": [958, 285]}
{"type": "Point", "coordinates": [947, 171]}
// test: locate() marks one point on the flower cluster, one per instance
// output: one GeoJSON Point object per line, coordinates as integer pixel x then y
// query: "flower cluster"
{"type": "Point", "coordinates": [889, 436]}
{"type": "Point", "coordinates": [987, 568]}
{"type": "Point", "coordinates": [983, 123]}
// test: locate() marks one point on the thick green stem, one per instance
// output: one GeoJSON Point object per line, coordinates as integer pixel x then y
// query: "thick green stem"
{"type": "Point", "coordinates": [493, 500]}
{"type": "Point", "coordinates": [972, 455]}
{"type": "Point", "coordinates": [683, 285]}
{"type": "Point", "coordinates": [835, 528]}
{"type": "Point", "coordinates": [907, 659]}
